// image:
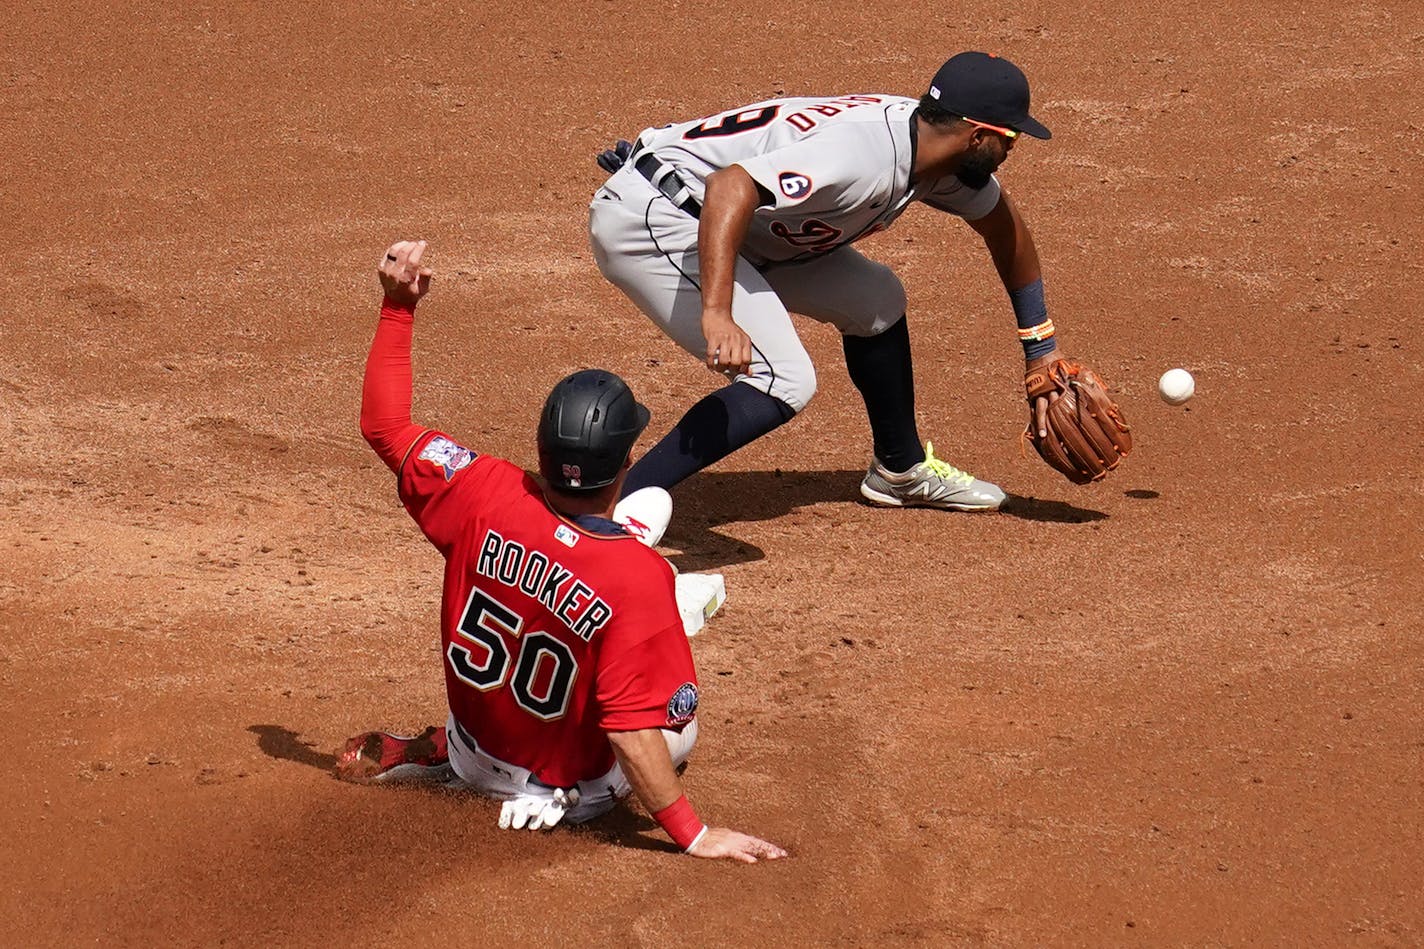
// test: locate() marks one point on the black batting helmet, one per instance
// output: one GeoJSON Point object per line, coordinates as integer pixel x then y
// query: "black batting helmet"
{"type": "Point", "coordinates": [589, 424]}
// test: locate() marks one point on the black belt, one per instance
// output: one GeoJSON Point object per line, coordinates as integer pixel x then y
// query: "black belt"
{"type": "Point", "coordinates": [474, 746]}
{"type": "Point", "coordinates": [665, 178]}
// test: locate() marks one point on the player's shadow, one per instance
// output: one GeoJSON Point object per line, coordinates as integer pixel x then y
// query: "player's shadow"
{"type": "Point", "coordinates": [625, 827]}
{"type": "Point", "coordinates": [1055, 512]}
{"type": "Point", "coordinates": [621, 826]}
{"type": "Point", "coordinates": [278, 742]}
{"type": "Point", "coordinates": [709, 500]}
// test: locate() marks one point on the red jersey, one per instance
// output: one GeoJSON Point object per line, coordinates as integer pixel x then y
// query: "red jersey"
{"type": "Point", "coordinates": [552, 634]}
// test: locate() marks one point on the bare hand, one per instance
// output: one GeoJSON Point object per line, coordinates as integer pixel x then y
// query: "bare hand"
{"type": "Point", "coordinates": [402, 276]}
{"type": "Point", "coordinates": [729, 350]}
{"type": "Point", "coordinates": [1038, 407]}
{"type": "Point", "coordinates": [719, 842]}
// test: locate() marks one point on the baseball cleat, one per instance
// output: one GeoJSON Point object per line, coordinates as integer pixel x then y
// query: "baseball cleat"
{"type": "Point", "coordinates": [931, 483]}
{"type": "Point", "coordinates": [383, 758]}
{"type": "Point", "coordinates": [645, 514]}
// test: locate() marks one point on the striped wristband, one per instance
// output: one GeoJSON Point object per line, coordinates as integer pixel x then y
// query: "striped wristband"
{"type": "Point", "coordinates": [681, 823]}
{"type": "Point", "coordinates": [1033, 333]}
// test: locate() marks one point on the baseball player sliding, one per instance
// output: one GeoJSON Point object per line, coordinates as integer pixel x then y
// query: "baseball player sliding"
{"type": "Point", "coordinates": [568, 674]}
{"type": "Point", "coordinates": [717, 227]}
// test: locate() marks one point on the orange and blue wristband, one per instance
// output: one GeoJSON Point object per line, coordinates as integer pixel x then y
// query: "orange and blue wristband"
{"type": "Point", "coordinates": [1035, 328]}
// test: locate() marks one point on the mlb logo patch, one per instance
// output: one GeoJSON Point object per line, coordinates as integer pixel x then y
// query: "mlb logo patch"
{"type": "Point", "coordinates": [566, 535]}
{"type": "Point", "coordinates": [446, 455]}
{"type": "Point", "coordinates": [794, 185]}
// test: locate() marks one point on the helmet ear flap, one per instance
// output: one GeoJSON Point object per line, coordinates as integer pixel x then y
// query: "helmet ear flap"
{"type": "Point", "coordinates": [587, 430]}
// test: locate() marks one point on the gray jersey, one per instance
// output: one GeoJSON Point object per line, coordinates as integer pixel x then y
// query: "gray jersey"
{"type": "Point", "coordinates": [836, 169]}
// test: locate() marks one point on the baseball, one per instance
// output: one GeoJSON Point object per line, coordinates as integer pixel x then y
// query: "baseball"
{"type": "Point", "coordinates": [1176, 386]}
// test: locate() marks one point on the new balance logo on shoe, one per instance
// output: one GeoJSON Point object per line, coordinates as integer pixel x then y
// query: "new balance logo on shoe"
{"type": "Point", "coordinates": [931, 483]}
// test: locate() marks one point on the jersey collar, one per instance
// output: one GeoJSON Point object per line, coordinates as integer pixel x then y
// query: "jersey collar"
{"type": "Point", "coordinates": [593, 524]}
{"type": "Point", "coordinates": [590, 524]}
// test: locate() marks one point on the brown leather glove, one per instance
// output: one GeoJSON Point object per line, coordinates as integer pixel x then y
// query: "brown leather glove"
{"type": "Point", "coordinates": [1087, 436]}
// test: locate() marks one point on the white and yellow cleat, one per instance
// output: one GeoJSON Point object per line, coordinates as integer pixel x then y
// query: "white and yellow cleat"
{"type": "Point", "coordinates": [931, 483]}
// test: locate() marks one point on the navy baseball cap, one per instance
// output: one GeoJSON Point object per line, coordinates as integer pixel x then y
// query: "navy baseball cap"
{"type": "Point", "coordinates": [988, 89]}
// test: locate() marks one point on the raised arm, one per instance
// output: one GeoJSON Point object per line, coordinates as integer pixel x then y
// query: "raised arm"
{"type": "Point", "coordinates": [386, 390]}
{"type": "Point", "coordinates": [643, 756]}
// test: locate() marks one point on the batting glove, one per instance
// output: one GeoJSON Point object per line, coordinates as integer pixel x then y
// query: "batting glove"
{"type": "Point", "coordinates": [537, 813]}
{"type": "Point", "coordinates": [611, 159]}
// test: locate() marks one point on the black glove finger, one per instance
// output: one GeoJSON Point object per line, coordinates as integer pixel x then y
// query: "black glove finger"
{"type": "Point", "coordinates": [611, 159]}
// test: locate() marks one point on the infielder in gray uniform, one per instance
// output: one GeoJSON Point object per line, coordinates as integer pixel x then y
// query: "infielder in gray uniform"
{"type": "Point", "coordinates": [717, 227]}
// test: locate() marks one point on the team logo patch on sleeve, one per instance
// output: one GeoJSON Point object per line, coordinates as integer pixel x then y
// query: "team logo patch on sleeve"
{"type": "Point", "coordinates": [446, 455]}
{"type": "Point", "coordinates": [793, 184]}
{"type": "Point", "coordinates": [682, 707]}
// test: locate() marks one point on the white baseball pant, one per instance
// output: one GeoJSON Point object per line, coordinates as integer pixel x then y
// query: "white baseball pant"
{"type": "Point", "coordinates": [487, 775]}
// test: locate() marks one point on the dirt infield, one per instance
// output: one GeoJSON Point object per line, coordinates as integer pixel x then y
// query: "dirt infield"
{"type": "Point", "coordinates": [1181, 706]}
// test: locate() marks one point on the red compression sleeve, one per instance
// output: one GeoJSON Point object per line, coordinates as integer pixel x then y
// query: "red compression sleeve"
{"type": "Point", "coordinates": [385, 394]}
